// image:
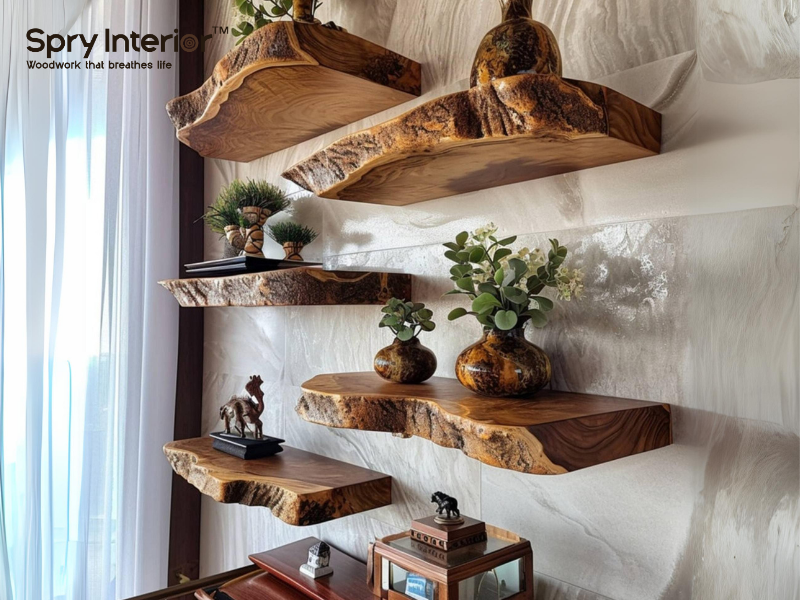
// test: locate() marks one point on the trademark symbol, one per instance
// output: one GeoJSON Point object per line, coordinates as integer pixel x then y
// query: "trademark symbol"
{"type": "Point", "coordinates": [220, 29]}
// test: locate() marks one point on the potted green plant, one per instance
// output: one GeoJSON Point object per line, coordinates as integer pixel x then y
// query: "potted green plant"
{"type": "Point", "coordinates": [240, 213]}
{"type": "Point", "coordinates": [293, 237]}
{"type": "Point", "coordinates": [406, 360]}
{"type": "Point", "coordinates": [504, 288]}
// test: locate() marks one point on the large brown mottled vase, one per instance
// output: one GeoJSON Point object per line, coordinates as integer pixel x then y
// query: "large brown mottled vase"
{"type": "Point", "coordinates": [405, 362]}
{"type": "Point", "coordinates": [503, 363]}
{"type": "Point", "coordinates": [303, 11]}
{"type": "Point", "coordinates": [518, 45]}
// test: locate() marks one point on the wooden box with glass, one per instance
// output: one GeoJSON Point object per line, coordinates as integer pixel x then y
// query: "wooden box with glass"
{"type": "Point", "coordinates": [486, 563]}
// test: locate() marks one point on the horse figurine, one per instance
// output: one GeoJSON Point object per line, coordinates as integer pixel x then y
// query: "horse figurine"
{"type": "Point", "coordinates": [242, 409]}
{"type": "Point", "coordinates": [446, 504]}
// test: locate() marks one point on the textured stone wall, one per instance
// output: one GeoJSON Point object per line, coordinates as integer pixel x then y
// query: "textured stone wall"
{"type": "Point", "coordinates": [692, 266]}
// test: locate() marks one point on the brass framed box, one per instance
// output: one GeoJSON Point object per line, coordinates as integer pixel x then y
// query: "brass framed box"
{"type": "Point", "coordinates": [483, 563]}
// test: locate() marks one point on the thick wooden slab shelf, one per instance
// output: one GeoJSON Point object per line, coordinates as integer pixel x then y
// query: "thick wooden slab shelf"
{"type": "Point", "coordinates": [514, 129]}
{"type": "Point", "coordinates": [299, 487]}
{"type": "Point", "coordinates": [549, 434]}
{"type": "Point", "coordinates": [286, 83]}
{"type": "Point", "coordinates": [304, 286]}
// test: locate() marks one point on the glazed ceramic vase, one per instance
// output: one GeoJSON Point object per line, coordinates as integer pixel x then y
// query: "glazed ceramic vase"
{"type": "Point", "coordinates": [293, 250]}
{"type": "Point", "coordinates": [405, 362]}
{"type": "Point", "coordinates": [249, 240]}
{"type": "Point", "coordinates": [503, 363]}
{"type": "Point", "coordinates": [518, 45]}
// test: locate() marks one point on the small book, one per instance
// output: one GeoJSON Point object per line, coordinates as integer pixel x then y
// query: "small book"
{"type": "Point", "coordinates": [246, 448]}
{"type": "Point", "coordinates": [242, 264]}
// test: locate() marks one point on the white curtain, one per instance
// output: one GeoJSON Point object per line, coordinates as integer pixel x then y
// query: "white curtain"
{"type": "Point", "coordinates": [88, 341]}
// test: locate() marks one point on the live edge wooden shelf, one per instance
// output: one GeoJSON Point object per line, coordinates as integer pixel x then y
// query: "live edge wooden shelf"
{"type": "Point", "coordinates": [299, 487]}
{"type": "Point", "coordinates": [304, 286]}
{"type": "Point", "coordinates": [286, 83]}
{"type": "Point", "coordinates": [515, 129]}
{"type": "Point", "coordinates": [549, 434]}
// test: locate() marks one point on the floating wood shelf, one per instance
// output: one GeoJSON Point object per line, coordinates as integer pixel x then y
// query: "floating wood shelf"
{"type": "Point", "coordinates": [514, 129]}
{"type": "Point", "coordinates": [550, 433]}
{"type": "Point", "coordinates": [286, 83]}
{"type": "Point", "coordinates": [304, 286]}
{"type": "Point", "coordinates": [299, 487]}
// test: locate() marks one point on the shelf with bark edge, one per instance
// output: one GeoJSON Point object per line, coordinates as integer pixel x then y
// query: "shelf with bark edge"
{"type": "Point", "coordinates": [514, 129]}
{"type": "Point", "coordinates": [299, 487]}
{"type": "Point", "coordinates": [550, 433]}
{"type": "Point", "coordinates": [519, 121]}
{"type": "Point", "coordinates": [303, 286]}
{"type": "Point", "coordinates": [288, 82]}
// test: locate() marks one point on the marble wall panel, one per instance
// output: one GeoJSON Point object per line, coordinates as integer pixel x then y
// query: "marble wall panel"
{"type": "Point", "coordinates": [744, 41]}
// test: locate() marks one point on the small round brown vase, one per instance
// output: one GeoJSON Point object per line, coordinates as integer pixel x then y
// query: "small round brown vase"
{"type": "Point", "coordinates": [405, 362]}
{"type": "Point", "coordinates": [518, 45]}
{"type": "Point", "coordinates": [503, 363]}
{"type": "Point", "coordinates": [293, 250]}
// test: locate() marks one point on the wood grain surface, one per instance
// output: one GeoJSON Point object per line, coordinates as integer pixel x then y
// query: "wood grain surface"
{"type": "Point", "coordinates": [348, 581]}
{"type": "Point", "coordinates": [286, 83]}
{"type": "Point", "coordinates": [514, 129]}
{"type": "Point", "coordinates": [550, 433]}
{"type": "Point", "coordinates": [304, 286]}
{"type": "Point", "coordinates": [299, 487]}
{"type": "Point", "coordinates": [253, 586]}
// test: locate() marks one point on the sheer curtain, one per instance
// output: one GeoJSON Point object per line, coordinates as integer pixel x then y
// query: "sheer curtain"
{"type": "Point", "coordinates": [88, 342]}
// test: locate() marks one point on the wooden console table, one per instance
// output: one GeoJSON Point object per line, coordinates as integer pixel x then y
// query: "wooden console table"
{"type": "Point", "coordinates": [280, 578]}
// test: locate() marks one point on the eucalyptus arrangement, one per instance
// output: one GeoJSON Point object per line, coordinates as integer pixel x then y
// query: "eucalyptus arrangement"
{"type": "Point", "coordinates": [293, 237]}
{"type": "Point", "coordinates": [505, 286]}
{"type": "Point", "coordinates": [406, 360]}
{"type": "Point", "coordinates": [505, 292]}
{"type": "Point", "coordinates": [240, 212]}
{"type": "Point", "coordinates": [258, 15]}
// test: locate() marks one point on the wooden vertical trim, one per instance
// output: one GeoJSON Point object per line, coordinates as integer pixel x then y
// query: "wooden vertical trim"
{"type": "Point", "coordinates": [184, 531]}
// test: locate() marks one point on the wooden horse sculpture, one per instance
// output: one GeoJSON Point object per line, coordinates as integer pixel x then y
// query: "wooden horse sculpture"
{"type": "Point", "coordinates": [242, 409]}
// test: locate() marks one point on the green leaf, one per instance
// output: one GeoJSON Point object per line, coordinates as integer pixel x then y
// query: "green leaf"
{"type": "Point", "coordinates": [427, 325]}
{"type": "Point", "coordinates": [417, 306]}
{"type": "Point", "coordinates": [520, 268]}
{"type": "Point", "coordinates": [501, 254]}
{"type": "Point", "coordinates": [391, 321]}
{"type": "Point", "coordinates": [545, 304]}
{"type": "Point", "coordinates": [485, 320]}
{"type": "Point", "coordinates": [452, 256]}
{"type": "Point", "coordinates": [515, 295]}
{"type": "Point", "coordinates": [499, 275]}
{"type": "Point", "coordinates": [459, 271]}
{"type": "Point", "coordinates": [453, 293]}
{"type": "Point", "coordinates": [463, 256]}
{"type": "Point", "coordinates": [425, 314]}
{"type": "Point", "coordinates": [508, 240]}
{"type": "Point", "coordinates": [488, 288]}
{"type": "Point", "coordinates": [484, 301]}
{"type": "Point", "coordinates": [465, 283]}
{"type": "Point", "coordinates": [453, 246]}
{"type": "Point", "coordinates": [477, 254]}
{"type": "Point", "coordinates": [456, 313]}
{"type": "Point", "coordinates": [462, 238]}
{"type": "Point", "coordinates": [405, 334]}
{"type": "Point", "coordinates": [538, 318]}
{"type": "Point", "coordinates": [505, 319]}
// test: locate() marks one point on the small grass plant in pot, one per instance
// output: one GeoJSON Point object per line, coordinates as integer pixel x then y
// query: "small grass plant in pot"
{"type": "Point", "coordinates": [406, 360]}
{"type": "Point", "coordinates": [240, 213]}
{"type": "Point", "coordinates": [505, 290]}
{"type": "Point", "coordinates": [293, 237]}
